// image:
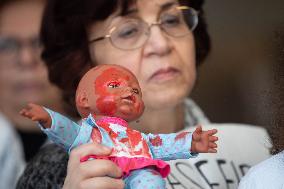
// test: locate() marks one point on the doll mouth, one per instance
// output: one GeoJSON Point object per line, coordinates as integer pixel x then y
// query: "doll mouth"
{"type": "Point", "coordinates": [129, 99]}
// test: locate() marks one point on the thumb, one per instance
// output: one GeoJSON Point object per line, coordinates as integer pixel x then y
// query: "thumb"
{"type": "Point", "coordinates": [197, 132]}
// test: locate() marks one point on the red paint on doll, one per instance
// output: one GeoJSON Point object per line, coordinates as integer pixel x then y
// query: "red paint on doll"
{"type": "Point", "coordinates": [96, 135]}
{"type": "Point", "coordinates": [107, 99]}
{"type": "Point", "coordinates": [157, 141]}
{"type": "Point", "coordinates": [182, 135]}
{"type": "Point", "coordinates": [110, 91]}
{"type": "Point", "coordinates": [106, 126]}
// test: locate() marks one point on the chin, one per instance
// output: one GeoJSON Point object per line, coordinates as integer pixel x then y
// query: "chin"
{"type": "Point", "coordinates": [166, 100]}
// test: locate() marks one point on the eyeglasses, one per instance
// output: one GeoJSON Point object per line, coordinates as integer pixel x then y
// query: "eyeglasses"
{"type": "Point", "coordinates": [131, 34]}
{"type": "Point", "coordinates": [11, 47]}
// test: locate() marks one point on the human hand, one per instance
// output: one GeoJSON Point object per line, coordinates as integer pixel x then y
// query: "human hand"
{"type": "Point", "coordinates": [204, 141]}
{"type": "Point", "coordinates": [92, 174]}
{"type": "Point", "coordinates": [37, 113]}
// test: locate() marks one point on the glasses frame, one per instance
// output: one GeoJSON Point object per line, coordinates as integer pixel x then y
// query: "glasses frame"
{"type": "Point", "coordinates": [33, 44]}
{"type": "Point", "coordinates": [149, 25]}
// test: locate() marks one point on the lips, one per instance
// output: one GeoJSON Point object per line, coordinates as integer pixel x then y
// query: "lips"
{"type": "Point", "coordinates": [129, 99]}
{"type": "Point", "coordinates": [164, 74]}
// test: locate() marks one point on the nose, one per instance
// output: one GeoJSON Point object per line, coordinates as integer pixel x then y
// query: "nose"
{"type": "Point", "coordinates": [27, 57]}
{"type": "Point", "coordinates": [127, 91]}
{"type": "Point", "coordinates": [158, 43]}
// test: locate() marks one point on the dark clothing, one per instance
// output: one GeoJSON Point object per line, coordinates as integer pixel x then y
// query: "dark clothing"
{"type": "Point", "coordinates": [48, 167]}
{"type": "Point", "coordinates": [31, 143]}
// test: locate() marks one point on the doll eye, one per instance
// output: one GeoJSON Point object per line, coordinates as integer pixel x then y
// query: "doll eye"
{"type": "Point", "coordinates": [113, 84]}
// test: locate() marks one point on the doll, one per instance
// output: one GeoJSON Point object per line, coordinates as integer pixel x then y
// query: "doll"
{"type": "Point", "coordinates": [108, 97]}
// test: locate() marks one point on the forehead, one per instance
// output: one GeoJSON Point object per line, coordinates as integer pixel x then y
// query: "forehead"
{"type": "Point", "coordinates": [145, 9]}
{"type": "Point", "coordinates": [113, 73]}
{"type": "Point", "coordinates": [25, 15]}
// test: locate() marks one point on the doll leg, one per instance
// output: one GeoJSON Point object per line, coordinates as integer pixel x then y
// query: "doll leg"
{"type": "Point", "coordinates": [146, 178]}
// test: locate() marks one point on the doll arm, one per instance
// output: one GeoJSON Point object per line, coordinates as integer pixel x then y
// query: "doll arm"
{"type": "Point", "coordinates": [182, 145]}
{"type": "Point", "coordinates": [57, 127]}
{"type": "Point", "coordinates": [170, 146]}
{"type": "Point", "coordinates": [63, 131]}
{"type": "Point", "coordinates": [36, 112]}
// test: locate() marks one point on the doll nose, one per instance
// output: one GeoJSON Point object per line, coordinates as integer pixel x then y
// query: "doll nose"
{"type": "Point", "coordinates": [127, 92]}
{"type": "Point", "coordinates": [135, 91]}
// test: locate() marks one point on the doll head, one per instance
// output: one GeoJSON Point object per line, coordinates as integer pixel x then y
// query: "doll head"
{"type": "Point", "coordinates": [109, 90]}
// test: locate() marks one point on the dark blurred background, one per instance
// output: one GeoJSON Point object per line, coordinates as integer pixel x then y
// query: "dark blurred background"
{"type": "Point", "coordinates": [236, 83]}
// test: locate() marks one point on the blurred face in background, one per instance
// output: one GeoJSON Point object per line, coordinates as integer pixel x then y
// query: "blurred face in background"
{"type": "Point", "coordinates": [23, 76]}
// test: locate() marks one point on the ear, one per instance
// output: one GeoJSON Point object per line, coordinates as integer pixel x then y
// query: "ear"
{"type": "Point", "coordinates": [82, 100]}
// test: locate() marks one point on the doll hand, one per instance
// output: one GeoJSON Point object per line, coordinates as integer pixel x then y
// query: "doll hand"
{"type": "Point", "coordinates": [204, 141]}
{"type": "Point", "coordinates": [93, 174]}
{"type": "Point", "coordinates": [37, 113]}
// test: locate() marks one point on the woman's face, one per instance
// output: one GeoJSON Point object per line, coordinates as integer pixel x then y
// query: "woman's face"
{"type": "Point", "coordinates": [23, 77]}
{"type": "Point", "coordinates": [164, 65]}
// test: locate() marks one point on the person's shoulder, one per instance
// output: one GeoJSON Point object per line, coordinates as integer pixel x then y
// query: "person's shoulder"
{"type": "Point", "coordinates": [274, 166]}
{"type": "Point", "coordinates": [5, 125]}
{"type": "Point", "coordinates": [269, 173]}
{"type": "Point", "coordinates": [9, 138]}
{"type": "Point", "coordinates": [270, 165]}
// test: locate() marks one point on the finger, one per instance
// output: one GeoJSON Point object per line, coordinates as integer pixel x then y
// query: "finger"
{"type": "Point", "coordinates": [100, 168]}
{"type": "Point", "coordinates": [212, 145]}
{"type": "Point", "coordinates": [88, 149]}
{"type": "Point", "coordinates": [197, 133]}
{"type": "Point", "coordinates": [34, 118]}
{"type": "Point", "coordinates": [213, 138]}
{"type": "Point", "coordinates": [212, 150]}
{"type": "Point", "coordinates": [23, 112]}
{"type": "Point", "coordinates": [212, 131]}
{"type": "Point", "coordinates": [198, 129]}
{"type": "Point", "coordinates": [29, 106]}
{"type": "Point", "coordinates": [102, 183]}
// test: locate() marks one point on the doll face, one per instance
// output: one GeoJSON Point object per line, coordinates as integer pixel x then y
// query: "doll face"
{"type": "Point", "coordinates": [116, 93]}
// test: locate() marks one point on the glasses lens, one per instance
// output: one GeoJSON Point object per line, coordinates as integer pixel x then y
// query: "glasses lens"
{"type": "Point", "coordinates": [8, 49]}
{"type": "Point", "coordinates": [179, 21]}
{"type": "Point", "coordinates": [129, 35]}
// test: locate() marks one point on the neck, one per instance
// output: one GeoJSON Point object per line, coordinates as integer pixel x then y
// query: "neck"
{"type": "Point", "coordinates": [161, 121]}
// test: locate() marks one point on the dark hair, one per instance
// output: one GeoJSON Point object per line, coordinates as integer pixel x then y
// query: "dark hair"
{"type": "Point", "coordinates": [276, 131]}
{"type": "Point", "coordinates": [65, 41]}
{"type": "Point", "coordinates": [3, 3]}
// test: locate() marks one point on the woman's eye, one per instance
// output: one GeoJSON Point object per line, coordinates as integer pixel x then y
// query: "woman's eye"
{"type": "Point", "coordinates": [127, 31]}
{"type": "Point", "coordinates": [113, 85]}
{"type": "Point", "coordinates": [171, 20]}
{"type": "Point", "coordinates": [8, 45]}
